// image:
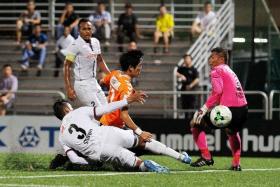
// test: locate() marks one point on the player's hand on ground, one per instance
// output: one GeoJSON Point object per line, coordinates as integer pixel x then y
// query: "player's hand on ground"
{"type": "Point", "coordinates": [198, 115]}
{"type": "Point", "coordinates": [137, 96]}
{"type": "Point", "coordinates": [146, 136]}
{"type": "Point", "coordinates": [71, 94]}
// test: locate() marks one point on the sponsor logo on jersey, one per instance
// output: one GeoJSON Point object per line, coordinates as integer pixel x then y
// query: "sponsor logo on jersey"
{"type": "Point", "coordinates": [115, 83]}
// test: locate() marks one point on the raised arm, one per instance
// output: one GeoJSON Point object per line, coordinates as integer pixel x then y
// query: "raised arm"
{"type": "Point", "coordinates": [138, 96]}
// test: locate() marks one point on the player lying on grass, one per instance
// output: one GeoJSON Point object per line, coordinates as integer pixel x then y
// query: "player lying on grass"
{"type": "Point", "coordinates": [80, 131]}
{"type": "Point", "coordinates": [227, 91]}
{"type": "Point", "coordinates": [120, 86]}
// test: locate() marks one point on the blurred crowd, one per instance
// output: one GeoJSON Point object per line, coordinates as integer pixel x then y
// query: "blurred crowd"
{"type": "Point", "coordinates": [127, 30]}
{"type": "Point", "coordinates": [127, 33]}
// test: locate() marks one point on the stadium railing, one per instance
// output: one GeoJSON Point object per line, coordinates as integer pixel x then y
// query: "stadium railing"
{"type": "Point", "coordinates": [22, 94]}
{"type": "Point", "coordinates": [272, 109]}
{"type": "Point", "coordinates": [169, 95]}
{"type": "Point", "coordinates": [145, 11]}
{"type": "Point", "coordinates": [169, 106]}
{"type": "Point", "coordinates": [214, 34]}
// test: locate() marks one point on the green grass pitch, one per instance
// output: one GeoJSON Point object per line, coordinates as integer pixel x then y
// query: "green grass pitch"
{"type": "Point", "coordinates": [32, 170]}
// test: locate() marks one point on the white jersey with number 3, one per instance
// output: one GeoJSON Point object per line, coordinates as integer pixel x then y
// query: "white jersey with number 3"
{"type": "Point", "coordinates": [80, 131]}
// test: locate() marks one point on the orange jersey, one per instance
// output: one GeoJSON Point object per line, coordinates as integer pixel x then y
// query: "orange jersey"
{"type": "Point", "coordinates": [120, 88]}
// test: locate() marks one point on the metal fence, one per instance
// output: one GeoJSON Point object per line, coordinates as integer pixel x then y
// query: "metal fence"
{"type": "Point", "coordinates": [273, 94]}
{"type": "Point", "coordinates": [174, 109]}
{"type": "Point", "coordinates": [34, 101]}
{"type": "Point", "coordinates": [183, 13]}
{"type": "Point", "coordinates": [169, 107]}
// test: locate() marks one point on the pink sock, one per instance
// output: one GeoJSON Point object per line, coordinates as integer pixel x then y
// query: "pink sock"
{"type": "Point", "coordinates": [235, 145]}
{"type": "Point", "coordinates": [199, 137]}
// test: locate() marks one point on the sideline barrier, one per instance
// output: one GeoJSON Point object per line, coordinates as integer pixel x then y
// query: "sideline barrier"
{"type": "Point", "coordinates": [39, 134]}
{"type": "Point", "coordinates": [271, 107]}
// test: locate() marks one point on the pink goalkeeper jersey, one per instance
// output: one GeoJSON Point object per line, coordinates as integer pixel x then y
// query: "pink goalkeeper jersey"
{"type": "Point", "coordinates": [226, 88]}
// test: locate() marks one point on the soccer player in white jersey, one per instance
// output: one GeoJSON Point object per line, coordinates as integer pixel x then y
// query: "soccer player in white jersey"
{"type": "Point", "coordinates": [81, 131]}
{"type": "Point", "coordinates": [85, 55]}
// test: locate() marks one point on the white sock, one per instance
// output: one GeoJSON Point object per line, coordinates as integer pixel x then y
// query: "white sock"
{"type": "Point", "coordinates": [159, 148]}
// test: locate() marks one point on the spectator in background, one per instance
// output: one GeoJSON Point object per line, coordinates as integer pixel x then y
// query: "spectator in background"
{"type": "Point", "coordinates": [101, 19]}
{"type": "Point", "coordinates": [188, 75]}
{"type": "Point", "coordinates": [35, 48]}
{"type": "Point", "coordinates": [164, 28]}
{"type": "Point", "coordinates": [27, 20]}
{"type": "Point", "coordinates": [62, 43]}
{"type": "Point", "coordinates": [127, 26]}
{"type": "Point", "coordinates": [132, 46]}
{"type": "Point", "coordinates": [203, 19]}
{"type": "Point", "coordinates": [8, 85]}
{"type": "Point", "coordinates": [68, 19]}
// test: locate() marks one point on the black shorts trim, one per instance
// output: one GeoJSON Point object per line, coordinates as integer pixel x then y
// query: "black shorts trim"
{"type": "Point", "coordinates": [239, 117]}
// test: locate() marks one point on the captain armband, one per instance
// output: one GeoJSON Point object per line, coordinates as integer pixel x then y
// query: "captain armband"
{"type": "Point", "coordinates": [70, 57]}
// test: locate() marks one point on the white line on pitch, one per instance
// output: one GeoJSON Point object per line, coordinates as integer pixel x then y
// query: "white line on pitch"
{"type": "Point", "coordinates": [29, 185]}
{"type": "Point", "coordinates": [129, 173]}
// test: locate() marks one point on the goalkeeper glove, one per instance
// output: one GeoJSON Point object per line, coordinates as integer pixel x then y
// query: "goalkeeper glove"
{"type": "Point", "coordinates": [198, 115]}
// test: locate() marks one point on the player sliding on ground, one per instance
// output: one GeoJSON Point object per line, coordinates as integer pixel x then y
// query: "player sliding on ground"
{"type": "Point", "coordinates": [81, 132]}
{"type": "Point", "coordinates": [227, 91]}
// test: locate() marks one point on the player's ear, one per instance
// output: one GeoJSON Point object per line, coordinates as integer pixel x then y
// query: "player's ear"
{"type": "Point", "coordinates": [130, 68]}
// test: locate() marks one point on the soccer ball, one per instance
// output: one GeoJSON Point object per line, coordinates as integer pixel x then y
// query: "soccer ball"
{"type": "Point", "coordinates": [220, 116]}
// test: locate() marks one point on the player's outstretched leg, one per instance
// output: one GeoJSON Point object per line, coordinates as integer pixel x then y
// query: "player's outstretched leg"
{"type": "Point", "coordinates": [235, 146]}
{"type": "Point", "coordinates": [126, 159]}
{"type": "Point", "coordinates": [199, 137]}
{"type": "Point", "coordinates": [159, 148]}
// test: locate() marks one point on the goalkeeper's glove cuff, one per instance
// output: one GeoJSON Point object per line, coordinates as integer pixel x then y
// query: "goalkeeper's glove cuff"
{"type": "Point", "coordinates": [204, 109]}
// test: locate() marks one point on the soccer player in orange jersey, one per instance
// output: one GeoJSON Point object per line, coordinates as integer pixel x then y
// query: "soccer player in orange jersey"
{"type": "Point", "coordinates": [120, 88]}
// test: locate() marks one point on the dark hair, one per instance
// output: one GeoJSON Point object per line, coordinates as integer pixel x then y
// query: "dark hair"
{"type": "Point", "coordinates": [131, 58]}
{"type": "Point", "coordinates": [36, 25]}
{"type": "Point", "coordinates": [162, 5]}
{"type": "Point", "coordinates": [221, 52]}
{"type": "Point", "coordinates": [128, 5]}
{"type": "Point", "coordinates": [207, 3]}
{"type": "Point", "coordinates": [58, 108]}
{"type": "Point", "coordinates": [68, 3]}
{"type": "Point", "coordinates": [185, 55]}
{"type": "Point", "coordinates": [6, 65]}
{"type": "Point", "coordinates": [83, 20]}
{"type": "Point", "coordinates": [100, 3]}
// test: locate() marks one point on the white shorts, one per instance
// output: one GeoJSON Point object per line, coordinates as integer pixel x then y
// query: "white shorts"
{"type": "Point", "coordinates": [89, 92]}
{"type": "Point", "coordinates": [114, 144]}
{"type": "Point", "coordinates": [118, 137]}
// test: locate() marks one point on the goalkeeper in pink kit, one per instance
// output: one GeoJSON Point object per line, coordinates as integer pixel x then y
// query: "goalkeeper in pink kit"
{"type": "Point", "coordinates": [227, 91]}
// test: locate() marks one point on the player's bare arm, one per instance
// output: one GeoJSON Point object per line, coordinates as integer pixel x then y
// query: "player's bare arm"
{"type": "Point", "coordinates": [67, 80]}
{"type": "Point", "coordinates": [138, 96]}
{"type": "Point", "coordinates": [102, 65]}
{"type": "Point", "coordinates": [146, 136]}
